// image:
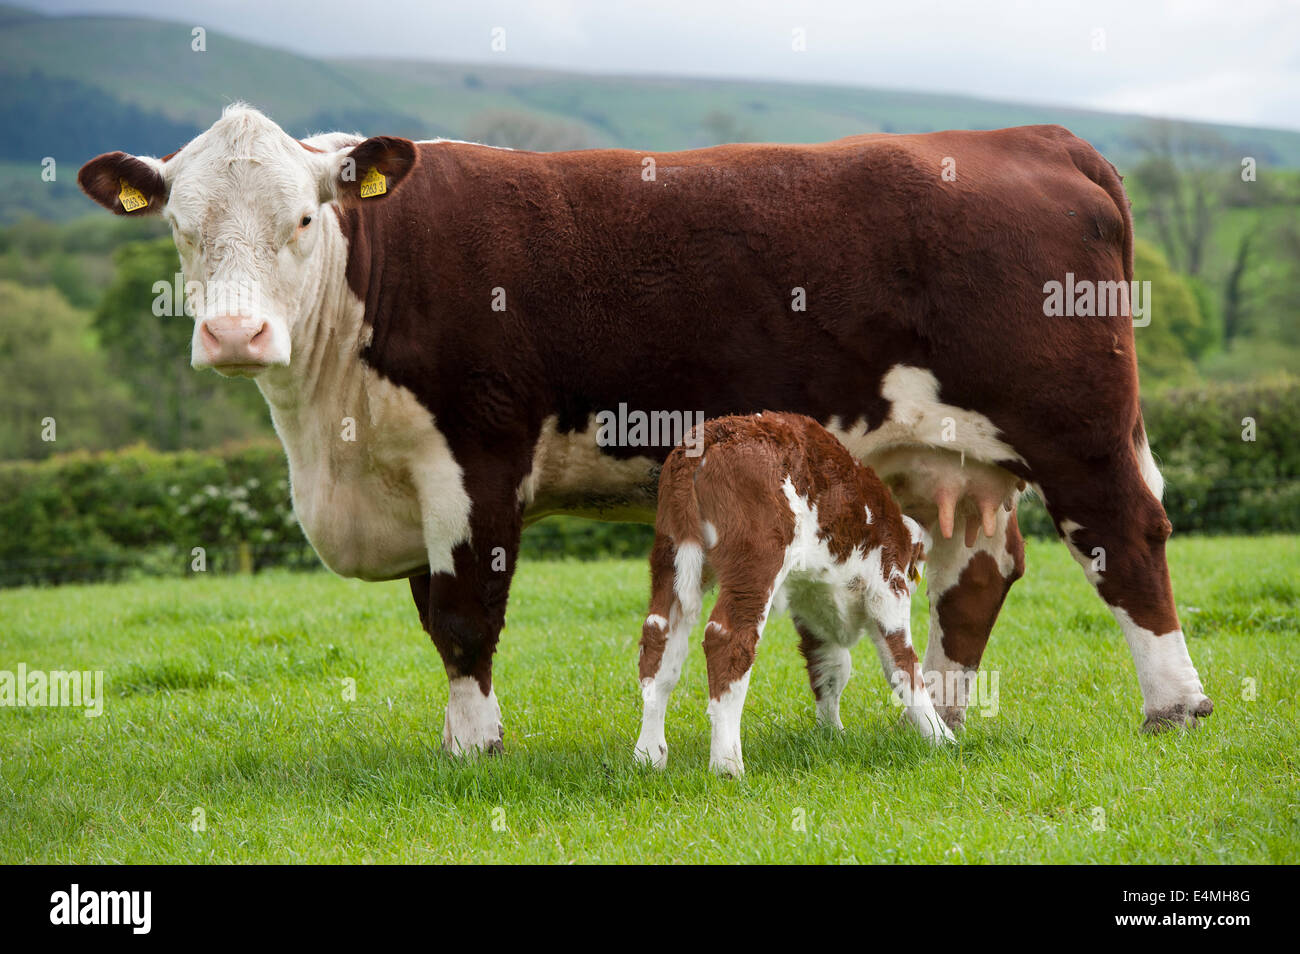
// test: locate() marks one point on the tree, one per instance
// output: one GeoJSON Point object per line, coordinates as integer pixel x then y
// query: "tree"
{"type": "Point", "coordinates": [1184, 176]}
{"type": "Point", "coordinates": [52, 371]}
{"type": "Point", "coordinates": [1179, 332]}
{"type": "Point", "coordinates": [172, 406]}
{"type": "Point", "coordinates": [526, 131]}
{"type": "Point", "coordinates": [721, 127]}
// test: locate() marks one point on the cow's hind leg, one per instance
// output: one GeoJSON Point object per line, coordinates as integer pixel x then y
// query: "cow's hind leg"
{"type": "Point", "coordinates": [675, 599]}
{"type": "Point", "coordinates": [966, 587]}
{"type": "Point", "coordinates": [1111, 518]}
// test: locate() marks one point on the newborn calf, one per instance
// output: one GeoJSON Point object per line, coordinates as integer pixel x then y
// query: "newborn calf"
{"type": "Point", "coordinates": [778, 513]}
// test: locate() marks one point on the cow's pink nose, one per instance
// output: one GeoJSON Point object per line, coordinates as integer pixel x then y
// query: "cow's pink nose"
{"type": "Point", "coordinates": [235, 340]}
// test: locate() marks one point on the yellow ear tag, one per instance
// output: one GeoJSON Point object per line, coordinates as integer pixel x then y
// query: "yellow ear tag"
{"type": "Point", "coordinates": [131, 197]}
{"type": "Point", "coordinates": [373, 184]}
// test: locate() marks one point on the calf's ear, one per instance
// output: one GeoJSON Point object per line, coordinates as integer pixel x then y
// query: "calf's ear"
{"type": "Point", "coordinates": [921, 544]}
{"type": "Point", "coordinates": [124, 184]}
{"type": "Point", "coordinates": [369, 171]}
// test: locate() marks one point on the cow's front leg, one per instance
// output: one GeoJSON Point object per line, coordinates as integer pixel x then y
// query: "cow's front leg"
{"type": "Point", "coordinates": [463, 612]}
{"type": "Point", "coordinates": [966, 587]}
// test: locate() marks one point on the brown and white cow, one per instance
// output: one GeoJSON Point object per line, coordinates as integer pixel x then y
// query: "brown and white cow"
{"type": "Point", "coordinates": [470, 312]}
{"type": "Point", "coordinates": [777, 513]}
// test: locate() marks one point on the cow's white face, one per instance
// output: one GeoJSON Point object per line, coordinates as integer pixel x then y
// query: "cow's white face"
{"type": "Point", "coordinates": [244, 200]}
{"type": "Point", "coordinates": [244, 206]}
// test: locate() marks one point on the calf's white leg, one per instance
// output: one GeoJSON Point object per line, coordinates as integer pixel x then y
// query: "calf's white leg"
{"type": "Point", "coordinates": [676, 589]}
{"type": "Point", "coordinates": [892, 633]}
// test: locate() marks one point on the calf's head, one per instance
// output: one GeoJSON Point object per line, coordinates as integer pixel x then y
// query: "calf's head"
{"type": "Point", "coordinates": [246, 203]}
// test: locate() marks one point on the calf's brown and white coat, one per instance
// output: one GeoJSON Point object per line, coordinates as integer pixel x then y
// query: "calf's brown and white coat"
{"type": "Point", "coordinates": [782, 517]}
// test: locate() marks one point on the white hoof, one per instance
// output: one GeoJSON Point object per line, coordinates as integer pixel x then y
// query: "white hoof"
{"type": "Point", "coordinates": [473, 721]}
{"type": "Point", "coordinates": [654, 754]}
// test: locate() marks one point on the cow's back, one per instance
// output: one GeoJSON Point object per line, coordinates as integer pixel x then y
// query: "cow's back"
{"type": "Point", "coordinates": [745, 276]}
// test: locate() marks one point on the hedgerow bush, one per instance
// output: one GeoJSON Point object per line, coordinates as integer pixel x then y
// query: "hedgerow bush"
{"type": "Point", "coordinates": [108, 515]}
{"type": "Point", "coordinates": [104, 516]}
{"type": "Point", "coordinates": [1230, 456]}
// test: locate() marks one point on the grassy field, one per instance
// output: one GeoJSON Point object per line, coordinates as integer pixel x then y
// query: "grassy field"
{"type": "Point", "coordinates": [227, 695]}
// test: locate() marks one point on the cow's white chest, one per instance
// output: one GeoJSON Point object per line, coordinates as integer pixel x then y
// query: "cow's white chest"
{"type": "Point", "coordinates": [375, 486]}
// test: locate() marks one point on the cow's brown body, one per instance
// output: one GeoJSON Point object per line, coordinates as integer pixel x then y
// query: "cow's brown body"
{"type": "Point", "coordinates": [890, 287]}
{"type": "Point", "coordinates": [677, 293]}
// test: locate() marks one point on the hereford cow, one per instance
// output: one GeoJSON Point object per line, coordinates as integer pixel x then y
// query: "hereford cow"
{"type": "Point", "coordinates": [781, 516]}
{"type": "Point", "coordinates": [472, 316]}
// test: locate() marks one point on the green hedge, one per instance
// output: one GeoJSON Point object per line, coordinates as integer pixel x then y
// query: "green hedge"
{"type": "Point", "coordinates": [104, 516]}
{"type": "Point", "coordinates": [137, 511]}
{"type": "Point", "coordinates": [1216, 481]}
{"type": "Point", "coordinates": [113, 515]}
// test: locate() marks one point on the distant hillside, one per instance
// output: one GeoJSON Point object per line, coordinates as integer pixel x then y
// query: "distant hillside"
{"type": "Point", "coordinates": [79, 85]}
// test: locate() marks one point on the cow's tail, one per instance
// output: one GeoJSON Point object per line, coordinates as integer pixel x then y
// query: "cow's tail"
{"type": "Point", "coordinates": [1145, 459]}
{"type": "Point", "coordinates": [1113, 183]}
{"type": "Point", "coordinates": [1103, 172]}
{"type": "Point", "coordinates": [678, 520]}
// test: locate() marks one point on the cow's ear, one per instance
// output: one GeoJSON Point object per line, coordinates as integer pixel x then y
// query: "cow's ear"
{"type": "Point", "coordinates": [370, 170]}
{"type": "Point", "coordinates": [124, 184]}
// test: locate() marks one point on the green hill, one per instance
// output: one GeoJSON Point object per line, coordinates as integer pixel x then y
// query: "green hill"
{"type": "Point", "coordinates": [79, 85]}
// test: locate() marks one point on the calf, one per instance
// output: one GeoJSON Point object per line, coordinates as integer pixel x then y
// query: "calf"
{"type": "Point", "coordinates": [778, 513]}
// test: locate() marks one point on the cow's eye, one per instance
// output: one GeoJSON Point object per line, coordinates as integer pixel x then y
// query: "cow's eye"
{"type": "Point", "coordinates": [306, 221]}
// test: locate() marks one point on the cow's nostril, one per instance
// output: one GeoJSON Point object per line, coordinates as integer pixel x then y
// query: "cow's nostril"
{"type": "Point", "coordinates": [261, 335]}
{"type": "Point", "coordinates": [210, 341]}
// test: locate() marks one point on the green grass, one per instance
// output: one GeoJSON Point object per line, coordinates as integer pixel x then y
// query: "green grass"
{"type": "Point", "coordinates": [225, 694]}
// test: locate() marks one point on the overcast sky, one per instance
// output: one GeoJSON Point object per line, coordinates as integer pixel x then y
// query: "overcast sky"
{"type": "Point", "coordinates": [1233, 61]}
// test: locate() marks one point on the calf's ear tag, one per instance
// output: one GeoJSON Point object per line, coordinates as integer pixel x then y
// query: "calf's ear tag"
{"type": "Point", "coordinates": [131, 197]}
{"type": "Point", "coordinates": [373, 184]}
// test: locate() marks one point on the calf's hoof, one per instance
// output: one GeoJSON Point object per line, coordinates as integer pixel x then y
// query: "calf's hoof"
{"type": "Point", "coordinates": [728, 768]}
{"type": "Point", "coordinates": [1181, 715]}
{"type": "Point", "coordinates": [953, 717]}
